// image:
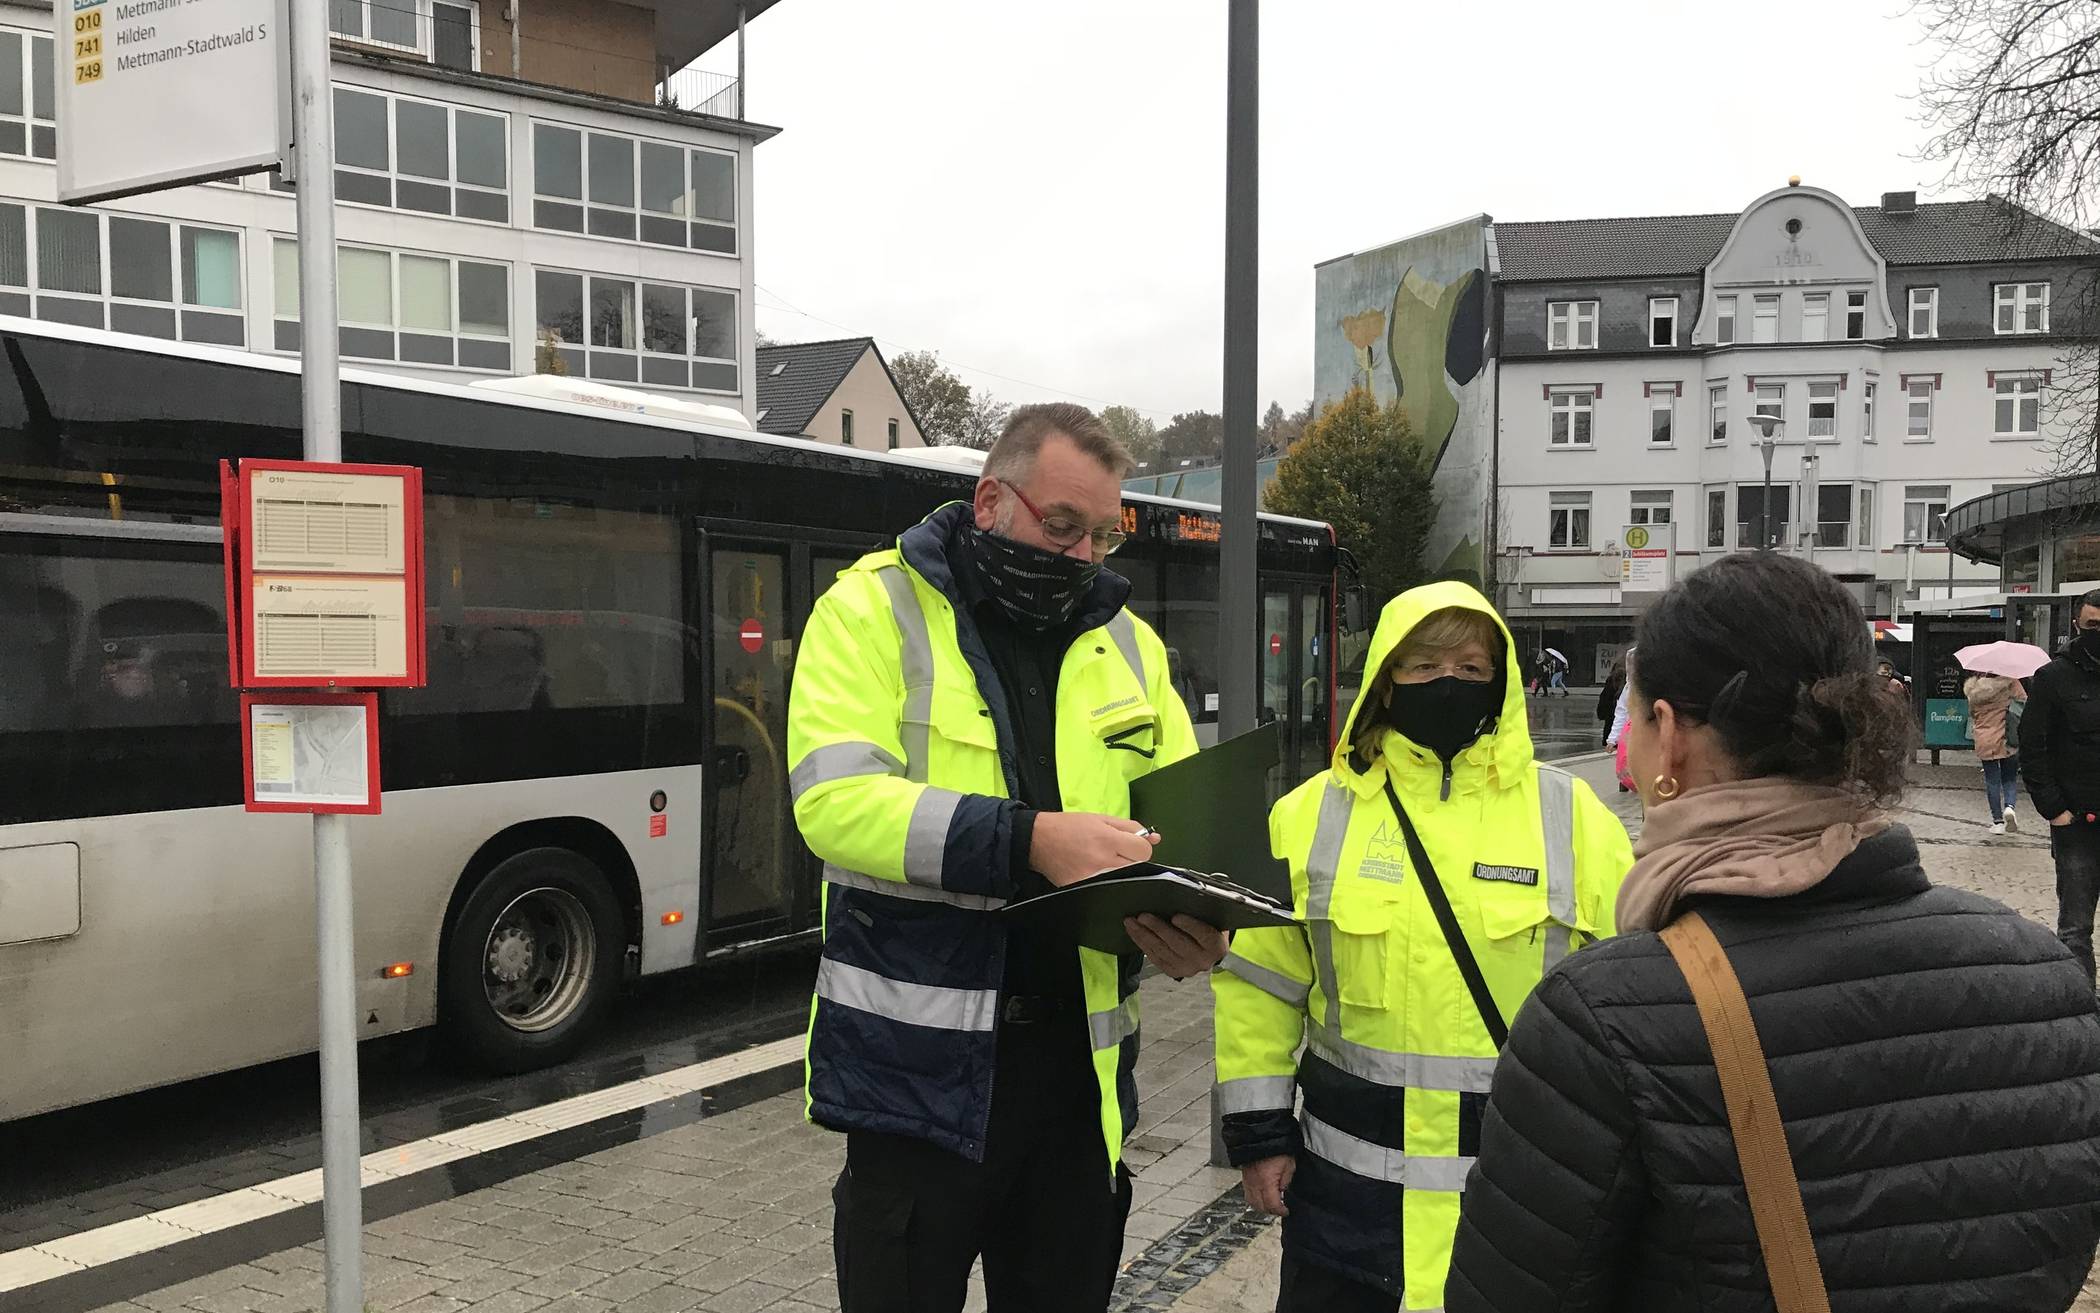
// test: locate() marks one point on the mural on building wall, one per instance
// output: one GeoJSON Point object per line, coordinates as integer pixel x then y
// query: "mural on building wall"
{"type": "Point", "coordinates": [1409, 322]}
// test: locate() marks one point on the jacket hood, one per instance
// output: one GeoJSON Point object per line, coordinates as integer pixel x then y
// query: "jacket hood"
{"type": "Point", "coordinates": [1504, 751]}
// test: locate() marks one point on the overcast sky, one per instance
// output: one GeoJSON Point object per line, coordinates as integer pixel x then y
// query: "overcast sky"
{"type": "Point", "coordinates": [1036, 190]}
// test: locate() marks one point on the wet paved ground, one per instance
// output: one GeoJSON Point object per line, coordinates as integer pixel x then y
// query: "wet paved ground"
{"type": "Point", "coordinates": [717, 1200]}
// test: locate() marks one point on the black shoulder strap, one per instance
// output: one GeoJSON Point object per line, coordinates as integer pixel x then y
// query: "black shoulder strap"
{"type": "Point", "coordinates": [1461, 951]}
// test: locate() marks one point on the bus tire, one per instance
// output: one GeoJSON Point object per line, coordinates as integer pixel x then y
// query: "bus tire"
{"type": "Point", "coordinates": [532, 962]}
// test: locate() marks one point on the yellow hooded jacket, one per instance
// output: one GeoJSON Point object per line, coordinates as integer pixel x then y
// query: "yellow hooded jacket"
{"type": "Point", "coordinates": [1397, 1061]}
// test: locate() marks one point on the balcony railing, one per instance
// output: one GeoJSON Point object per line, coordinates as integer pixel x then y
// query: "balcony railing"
{"type": "Point", "coordinates": [697, 91]}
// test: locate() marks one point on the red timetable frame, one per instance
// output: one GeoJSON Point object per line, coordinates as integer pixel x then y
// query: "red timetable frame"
{"type": "Point", "coordinates": [236, 494]}
{"type": "Point", "coordinates": [369, 701]}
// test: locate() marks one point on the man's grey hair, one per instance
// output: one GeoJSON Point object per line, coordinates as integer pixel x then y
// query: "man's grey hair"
{"type": "Point", "coordinates": [1012, 457]}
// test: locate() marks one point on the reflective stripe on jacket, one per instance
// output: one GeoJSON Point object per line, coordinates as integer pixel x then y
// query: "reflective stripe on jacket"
{"type": "Point", "coordinates": [900, 759]}
{"type": "Point", "coordinates": [1397, 1063]}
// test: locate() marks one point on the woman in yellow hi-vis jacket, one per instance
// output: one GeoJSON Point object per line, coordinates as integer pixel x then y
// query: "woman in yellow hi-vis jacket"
{"type": "Point", "coordinates": [1440, 871]}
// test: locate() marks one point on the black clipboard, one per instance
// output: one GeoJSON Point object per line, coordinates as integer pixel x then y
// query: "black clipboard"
{"type": "Point", "coordinates": [1091, 912]}
{"type": "Point", "coordinates": [1212, 812]}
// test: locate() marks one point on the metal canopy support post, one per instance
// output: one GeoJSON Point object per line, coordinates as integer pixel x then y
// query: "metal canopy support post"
{"type": "Point", "coordinates": [342, 1206]}
{"type": "Point", "coordinates": [742, 98]}
{"type": "Point", "coordinates": [1239, 637]}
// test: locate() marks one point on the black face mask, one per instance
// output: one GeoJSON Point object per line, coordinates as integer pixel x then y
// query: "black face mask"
{"type": "Point", "coordinates": [1038, 589]}
{"type": "Point", "coordinates": [1444, 715]}
{"type": "Point", "coordinates": [2089, 644]}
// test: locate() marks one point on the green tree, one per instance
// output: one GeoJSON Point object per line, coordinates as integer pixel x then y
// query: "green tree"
{"type": "Point", "coordinates": [1270, 434]}
{"type": "Point", "coordinates": [939, 399]}
{"type": "Point", "coordinates": [1361, 468]}
{"type": "Point", "coordinates": [1136, 432]}
{"type": "Point", "coordinates": [949, 413]}
{"type": "Point", "coordinates": [1196, 435]}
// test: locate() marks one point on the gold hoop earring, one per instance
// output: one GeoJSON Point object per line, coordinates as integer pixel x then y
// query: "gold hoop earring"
{"type": "Point", "coordinates": [1666, 787]}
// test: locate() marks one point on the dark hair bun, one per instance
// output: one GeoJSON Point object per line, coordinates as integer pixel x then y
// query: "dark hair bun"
{"type": "Point", "coordinates": [1774, 653]}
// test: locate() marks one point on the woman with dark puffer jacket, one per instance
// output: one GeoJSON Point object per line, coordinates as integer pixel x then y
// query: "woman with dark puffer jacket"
{"type": "Point", "coordinates": [1936, 1056]}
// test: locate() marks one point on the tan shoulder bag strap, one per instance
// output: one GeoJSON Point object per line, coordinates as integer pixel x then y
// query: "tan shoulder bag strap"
{"type": "Point", "coordinates": [1753, 1118]}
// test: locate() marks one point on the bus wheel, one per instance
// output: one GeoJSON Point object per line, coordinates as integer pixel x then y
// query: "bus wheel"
{"type": "Point", "coordinates": [532, 962]}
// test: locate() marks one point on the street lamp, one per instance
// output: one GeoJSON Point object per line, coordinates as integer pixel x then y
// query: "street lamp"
{"type": "Point", "coordinates": [1768, 427]}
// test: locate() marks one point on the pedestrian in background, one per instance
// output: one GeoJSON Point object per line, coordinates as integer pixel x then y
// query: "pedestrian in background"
{"type": "Point", "coordinates": [1608, 700]}
{"type": "Point", "coordinates": [1441, 871]}
{"type": "Point", "coordinates": [969, 708]}
{"type": "Point", "coordinates": [1991, 698]}
{"type": "Point", "coordinates": [2060, 755]}
{"type": "Point", "coordinates": [1936, 1056]}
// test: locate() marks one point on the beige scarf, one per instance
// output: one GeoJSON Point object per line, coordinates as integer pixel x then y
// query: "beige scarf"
{"type": "Point", "coordinates": [1761, 838]}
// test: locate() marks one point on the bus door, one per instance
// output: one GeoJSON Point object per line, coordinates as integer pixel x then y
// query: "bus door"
{"type": "Point", "coordinates": [1295, 689]}
{"type": "Point", "coordinates": [760, 879]}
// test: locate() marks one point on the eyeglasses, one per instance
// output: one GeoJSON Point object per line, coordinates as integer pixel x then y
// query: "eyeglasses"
{"type": "Point", "coordinates": [1065, 533]}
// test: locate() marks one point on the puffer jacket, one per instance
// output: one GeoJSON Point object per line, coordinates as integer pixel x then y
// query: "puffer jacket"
{"type": "Point", "coordinates": [1936, 1059]}
{"type": "Point", "coordinates": [1990, 697]}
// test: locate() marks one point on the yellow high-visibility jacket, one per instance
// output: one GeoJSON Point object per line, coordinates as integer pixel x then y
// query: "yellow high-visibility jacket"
{"type": "Point", "coordinates": [1397, 1059]}
{"type": "Point", "coordinates": [900, 760]}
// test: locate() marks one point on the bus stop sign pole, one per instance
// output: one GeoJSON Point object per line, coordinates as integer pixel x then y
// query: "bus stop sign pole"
{"type": "Point", "coordinates": [1239, 638]}
{"type": "Point", "coordinates": [342, 1206]}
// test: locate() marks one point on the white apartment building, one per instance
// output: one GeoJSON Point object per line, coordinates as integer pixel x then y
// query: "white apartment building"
{"type": "Point", "coordinates": [1908, 351]}
{"type": "Point", "coordinates": [515, 185]}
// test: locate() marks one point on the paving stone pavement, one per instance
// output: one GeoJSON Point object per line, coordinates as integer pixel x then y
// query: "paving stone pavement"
{"type": "Point", "coordinates": [733, 1213]}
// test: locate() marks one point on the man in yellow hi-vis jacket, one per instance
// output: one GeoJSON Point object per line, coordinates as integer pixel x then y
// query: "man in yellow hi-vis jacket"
{"type": "Point", "coordinates": [1441, 872]}
{"type": "Point", "coordinates": [968, 711]}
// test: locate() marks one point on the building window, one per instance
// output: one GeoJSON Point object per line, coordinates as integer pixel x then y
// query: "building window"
{"type": "Point", "coordinates": [1717, 518]}
{"type": "Point", "coordinates": [1867, 431]}
{"type": "Point", "coordinates": [1573, 412]}
{"type": "Point", "coordinates": [1662, 414]}
{"type": "Point", "coordinates": [2019, 407]}
{"type": "Point", "coordinates": [1918, 393]}
{"type": "Point", "coordinates": [626, 331]}
{"type": "Point", "coordinates": [28, 123]}
{"type": "Point", "coordinates": [2022, 307]}
{"type": "Point", "coordinates": [1568, 528]}
{"type": "Point", "coordinates": [893, 435]}
{"type": "Point", "coordinates": [1771, 400]}
{"type": "Point", "coordinates": [420, 155]}
{"type": "Point", "coordinates": [1571, 325]}
{"type": "Point", "coordinates": [1822, 410]}
{"type": "Point", "coordinates": [1924, 312]}
{"type": "Point", "coordinates": [1924, 514]}
{"type": "Point", "coordinates": [1866, 517]}
{"type": "Point", "coordinates": [1764, 323]}
{"type": "Point", "coordinates": [130, 275]}
{"type": "Point", "coordinates": [409, 306]}
{"type": "Point", "coordinates": [1650, 506]}
{"type": "Point", "coordinates": [1724, 321]}
{"type": "Point", "coordinates": [1815, 317]}
{"type": "Point", "coordinates": [846, 427]}
{"type": "Point", "coordinates": [1759, 523]}
{"type": "Point", "coordinates": [447, 32]}
{"type": "Point", "coordinates": [633, 189]}
{"type": "Point", "coordinates": [1662, 321]}
{"type": "Point", "coordinates": [1855, 315]}
{"type": "Point", "coordinates": [1717, 413]}
{"type": "Point", "coordinates": [1834, 515]}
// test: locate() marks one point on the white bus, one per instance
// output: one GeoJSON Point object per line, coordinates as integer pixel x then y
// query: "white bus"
{"type": "Point", "coordinates": [593, 783]}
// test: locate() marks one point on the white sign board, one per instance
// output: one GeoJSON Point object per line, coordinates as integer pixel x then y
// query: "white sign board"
{"type": "Point", "coordinates": [1649, 565]}
{"type": "Point", "coordinates": [313, 755]}
{"type": "Point", "coordinates": [160, 93]}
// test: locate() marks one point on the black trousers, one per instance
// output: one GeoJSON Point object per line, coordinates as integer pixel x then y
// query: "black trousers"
{"type": "Point", "coordinates": [2077, 850]}
{"type": "Point", "coordinates": [1309, 1288]}
{"type": "Point", "coordinates": [1041, 1209]}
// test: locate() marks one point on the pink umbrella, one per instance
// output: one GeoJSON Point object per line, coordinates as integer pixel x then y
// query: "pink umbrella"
{"type": "Point", "coordinates": [2012, 660]}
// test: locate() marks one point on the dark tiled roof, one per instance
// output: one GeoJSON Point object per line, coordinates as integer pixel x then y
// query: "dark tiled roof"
{"type": "Point", "coordinates": [1681, 245]}
{"type": "Point", "coordinates": [795, 379]}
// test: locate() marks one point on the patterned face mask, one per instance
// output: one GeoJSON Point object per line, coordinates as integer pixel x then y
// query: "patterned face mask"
{"type": "Point", "coordinates": [1038, 589]}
